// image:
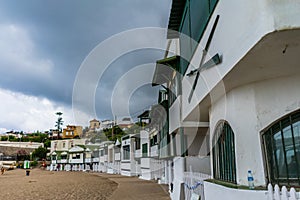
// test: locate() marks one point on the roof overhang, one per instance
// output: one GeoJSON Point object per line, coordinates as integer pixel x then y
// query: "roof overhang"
{"type": "Point", "coordinates": [144, 115]}
{"type": "Point", "coordinates": [176, 13]}
{"type": "Point", "coordinates": [164, 70]}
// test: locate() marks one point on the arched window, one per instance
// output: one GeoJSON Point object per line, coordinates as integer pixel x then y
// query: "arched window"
{"type": "Point", "coordinates": [282, 150]}
{"type": "Point", "coordinates": [224, 166]}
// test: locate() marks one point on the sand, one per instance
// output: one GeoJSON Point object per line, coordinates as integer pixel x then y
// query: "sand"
{"type": "Point", "coordinates": [42, 184]}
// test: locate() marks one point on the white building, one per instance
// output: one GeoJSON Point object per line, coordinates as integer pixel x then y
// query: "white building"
{"type": "Point", "coordinates": [104, 156]}
{"type": "Point", "coordinates": [106, 124]}
{"type": "Point", "coordinates": [128, 162]}
{"type": "Point", "coordinates": [233, 98]}
{"type": "Point", "coordinates": [69, 151]}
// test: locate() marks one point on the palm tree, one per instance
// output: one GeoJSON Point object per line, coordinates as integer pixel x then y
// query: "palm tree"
{"type": "Point", "coordinates": [59, 123]}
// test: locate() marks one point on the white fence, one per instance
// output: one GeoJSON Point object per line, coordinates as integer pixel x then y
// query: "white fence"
{"type": "Point", "coordinates": [114, 167]}
{"type": "Point", "coordinates": [284, 194]}
{"type": "Point", "coordinates": [156, 168]}
{"type": "Point", "coordinates": [193, 184]}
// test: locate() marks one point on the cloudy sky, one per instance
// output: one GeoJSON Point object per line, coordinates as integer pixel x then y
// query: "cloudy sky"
{"type": "Point", "coordinates": [46, 45]}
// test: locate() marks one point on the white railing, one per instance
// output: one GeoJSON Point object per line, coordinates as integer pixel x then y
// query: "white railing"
{"type": "Point", "coordinates": [116, 167]}
{"type": "Point", "coordinates": [156, 168]}
{"type": "Point", "coordinates": [193, 184]}
{"type": "Point", "coordinates": [284, 194]}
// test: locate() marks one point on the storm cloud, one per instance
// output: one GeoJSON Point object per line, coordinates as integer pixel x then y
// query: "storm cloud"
{"type": "Point", "coordinates": [43, 44]}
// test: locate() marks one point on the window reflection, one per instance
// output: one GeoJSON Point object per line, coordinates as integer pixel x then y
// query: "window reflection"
{"type": "Point", "coordinates": [283, 151]}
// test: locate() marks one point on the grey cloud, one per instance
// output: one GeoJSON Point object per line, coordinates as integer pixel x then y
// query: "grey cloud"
{"type": "Point", "coordinates": [66, 31]}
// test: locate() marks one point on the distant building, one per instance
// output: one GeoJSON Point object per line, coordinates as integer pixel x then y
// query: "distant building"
{"type": "Point", "coordinates": [53, 134]}
{"type": "Point", "coordinates": [72, 132]}
{"type": "Point", "coordinates": [94, 124]}
{"type": "Point", "coordinates": [125, 123]}
{"type": "Point", "coordinates": [106, 124]}
{"type": "Point", "coordinates": [10, 150]}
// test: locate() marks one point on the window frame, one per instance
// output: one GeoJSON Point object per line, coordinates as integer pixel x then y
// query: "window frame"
{"type": "Point", "coordinates": [220, 168]}
{"type": "Point", "coordinates": [270, 161]}
{"type": "Point", "coordinates": [193, 39]}
{"type": "Point", "coordinates": [126, 152]}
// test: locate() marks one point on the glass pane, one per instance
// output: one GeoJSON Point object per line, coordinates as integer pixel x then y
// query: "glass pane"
{"type": "Point", "coordinates": [212, 4]}
{"type": "Point", "coordinates": [296, 131]}
{"type": "Point", "coordinates": [199, 12]}
{"type": "Point", "coordinates": [290, 153]}
{"type": "Point", "coordinates": [279, 154]}
{"type": "Point", "coordinates": [185, 43]}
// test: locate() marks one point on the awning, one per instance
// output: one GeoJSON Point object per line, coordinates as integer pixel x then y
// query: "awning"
{"type": "Point", "coordinates": [164, 70]}
{"type": "Point", "coordinates": [76, 149]}
{"type": "Point", "coordinates": [144, 115]}
{"type": "Point", "coordinates": [64, 153]}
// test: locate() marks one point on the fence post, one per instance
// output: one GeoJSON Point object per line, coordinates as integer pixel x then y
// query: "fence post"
{"type": "Point", "coordinates": [277, 192]}
{"type": "Point", "coordinates": [284, 193]}
{"type": "Point", "coordinates": [293, 195]}
{"type": "Point", "coordinates": [270, 192]}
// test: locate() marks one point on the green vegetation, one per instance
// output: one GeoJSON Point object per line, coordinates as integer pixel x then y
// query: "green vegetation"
{"type": "Point", "coordinates": [39, 153]}
{"type": "Point", "coordinates": [34, 163]}
{"type": "Point", "coordinates": [59, 122]}
{"type": "Point", "coordinates": [114, 133]}
{"type": "Point", "coordinates": [34, 137]}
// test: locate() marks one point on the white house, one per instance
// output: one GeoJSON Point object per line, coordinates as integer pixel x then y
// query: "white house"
{"type": "Point", "coordinates": [128, 162]}
{"type": "Point", "coordinates": [114, 158]}
{"type": "Point", "coordinates": [76, 155]}
{"type": "Point", "coordinates": [104, 156]}
{"type": "Point", "coordinates": [63, 152]}
{"type": "Point", "coordinates": [232, 94]}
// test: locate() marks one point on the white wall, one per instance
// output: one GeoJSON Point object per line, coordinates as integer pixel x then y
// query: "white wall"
{"type": "Point", "coordinates": [249, 109]}
{"type": "Point", "coordinates": [198, 164]}
{"type": "Point", "coordinates": [174, 115]}
{"type": "Point", "coordinates": [174, 47]}
{"type": "Point", "coordinates": [217, 192]}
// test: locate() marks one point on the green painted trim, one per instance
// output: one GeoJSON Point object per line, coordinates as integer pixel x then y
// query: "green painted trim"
{"type": "Point", "coordinates": [166, 60]}
{"type": "Point", "coordinates": [234, 186]}
{"type": "Point", "coordinates": [187, 5]}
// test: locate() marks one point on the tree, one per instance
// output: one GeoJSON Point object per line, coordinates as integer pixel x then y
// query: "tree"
{"type": "Point", "coordinates": [59, 123]}
{"type": "Point", "coordinates": [118, 133]}
{"type": "Point", "coordinates": [47, 143]}
{"type": "Point", "coordinates": [39, 153]}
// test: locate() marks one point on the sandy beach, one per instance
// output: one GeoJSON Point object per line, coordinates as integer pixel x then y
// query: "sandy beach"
{"type": "Point", "coordinates": [42, 184]}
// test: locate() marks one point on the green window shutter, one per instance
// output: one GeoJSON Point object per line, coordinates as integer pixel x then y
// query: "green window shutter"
{"type": "Point", "coordinates": [194, 21]}
{"type": "Point", "coordinates": [145, 150]}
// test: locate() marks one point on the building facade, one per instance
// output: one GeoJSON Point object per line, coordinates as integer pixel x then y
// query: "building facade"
{"type": "Point", "coordinates": [72, 131]}
{"type": "Point", "coordinates": [233, 105]}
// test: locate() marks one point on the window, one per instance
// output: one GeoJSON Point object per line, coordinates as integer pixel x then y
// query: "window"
{"type": "Point", "coordinates": [64, 145]}
{"type": "Point", "coordinates": [282, 150]}
{"type": "Point", "coordinates": [102, 152]}
{"type": "Point", "coordinates": [153, 140]}
{"type": "Point", "coordinates": [126, 152]}
{"type": "Point", "coordinates": [224, 165]}
{"type": "Point", "coordinates": [195, 18]}
{"type": "Point", "coordinates": [137, 142]}
{"type": "Point", "coordinates": [145, 150]}
{"type": "Point", "coordinates": [76, 156]}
